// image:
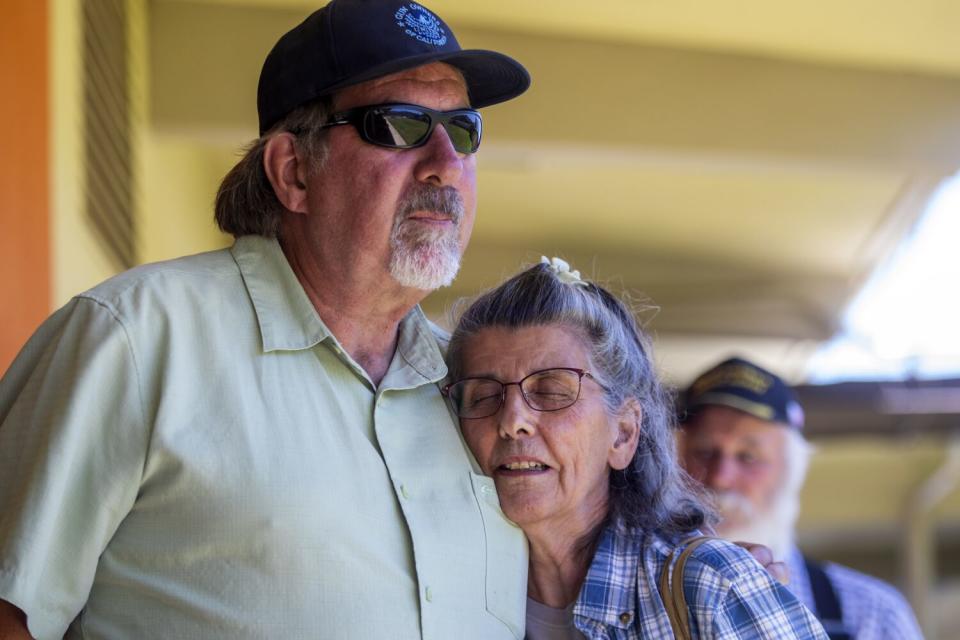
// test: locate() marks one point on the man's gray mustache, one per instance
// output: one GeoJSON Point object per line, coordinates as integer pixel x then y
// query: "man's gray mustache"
{"type": "Point", "coordinates": [446, 200]}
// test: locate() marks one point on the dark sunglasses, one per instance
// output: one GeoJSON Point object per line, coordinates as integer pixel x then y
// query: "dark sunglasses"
{"type": "Point", "coordinates": [405, 126]}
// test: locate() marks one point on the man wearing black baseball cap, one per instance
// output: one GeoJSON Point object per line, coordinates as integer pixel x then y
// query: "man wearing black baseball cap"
{"type": "Point", "coordinates": [742, 438]}
{"type": "Point", "coordinates": [251, 443]}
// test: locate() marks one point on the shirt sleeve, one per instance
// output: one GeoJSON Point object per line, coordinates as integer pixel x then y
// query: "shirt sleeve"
{"type": "Point", "coordinates": [900, 622]}
{"type": "Point", "coordinates": [732, 597]}
{"type": "Point", "coordinates": [72, 448]}
{"type": "Point", "coordinates": [896, 622]}
{"type": "Point", "coordinates": [872, 608]}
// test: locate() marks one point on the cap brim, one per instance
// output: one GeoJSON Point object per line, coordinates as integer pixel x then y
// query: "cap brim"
{"type": "Point", "coordinates": [491, 77]}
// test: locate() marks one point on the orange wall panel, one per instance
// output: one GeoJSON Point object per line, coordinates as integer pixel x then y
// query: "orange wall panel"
{"type": "Point", "coordinates": [24, 174]}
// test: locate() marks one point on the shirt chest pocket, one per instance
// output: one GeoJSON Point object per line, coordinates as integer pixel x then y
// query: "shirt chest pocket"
{"type": "Point", "coordinates": [506, 558]}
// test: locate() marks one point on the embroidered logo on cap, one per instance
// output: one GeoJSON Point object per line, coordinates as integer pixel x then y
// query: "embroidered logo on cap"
{"type": "Point", "coordinates": [418, 23]}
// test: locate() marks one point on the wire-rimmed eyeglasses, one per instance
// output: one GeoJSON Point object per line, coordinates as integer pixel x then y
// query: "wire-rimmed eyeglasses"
{"type": "Point", "coordinates": [544, 390]}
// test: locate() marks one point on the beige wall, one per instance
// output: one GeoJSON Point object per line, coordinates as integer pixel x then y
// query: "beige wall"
{"type": "Point", "coordinates": [180, 181]}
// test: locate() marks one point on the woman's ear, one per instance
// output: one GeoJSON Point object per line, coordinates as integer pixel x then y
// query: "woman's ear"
{"type": "Point", "coordinates": [286, 171]}
{"type": "Point", "coordinates": [627, 425]}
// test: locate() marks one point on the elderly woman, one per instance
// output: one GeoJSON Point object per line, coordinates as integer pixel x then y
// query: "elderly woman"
{"type": "Point", "coordinates": [559, 402]}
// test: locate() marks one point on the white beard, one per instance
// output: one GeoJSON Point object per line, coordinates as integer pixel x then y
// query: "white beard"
{"type": "Point", "coordinates": [772, 526]}
{"type": "Point", "coordinates": [421, 256]}
{"type": "Point", "coordinates": [425, 258]}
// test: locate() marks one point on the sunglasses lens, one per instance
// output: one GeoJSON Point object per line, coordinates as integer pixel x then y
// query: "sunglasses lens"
{"type": "Point", "coordinates": [464, 131]}
{"type": "Point", "coordinates": [397, 127]}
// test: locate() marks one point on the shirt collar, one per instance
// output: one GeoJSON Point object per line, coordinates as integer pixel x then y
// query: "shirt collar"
{"type": "Point", "coordinates": [289, 322]}
{"type": "Point", "coordinates": [287, 318]}
{"type": "Point", "coordinates": [418, 358]}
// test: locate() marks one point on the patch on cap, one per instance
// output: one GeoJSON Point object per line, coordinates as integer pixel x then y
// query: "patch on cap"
{"type": "Point", "coordinates": [734, 373]}
{"type": "Point", "coordinates": [742, 385]}
{"type": "Point", "coordinates": [420, 24]}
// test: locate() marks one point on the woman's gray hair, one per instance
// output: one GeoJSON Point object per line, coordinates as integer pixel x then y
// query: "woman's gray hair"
{"type": "Point", "coordinates": [246, 203]}
{"type": "Point", "coordinates": [653, 492]}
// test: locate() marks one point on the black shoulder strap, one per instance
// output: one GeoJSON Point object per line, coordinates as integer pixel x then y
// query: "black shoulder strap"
{"type": "Point", "coordinates": [826, 601]}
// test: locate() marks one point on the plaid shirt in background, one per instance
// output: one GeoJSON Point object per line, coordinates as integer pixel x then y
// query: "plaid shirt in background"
{"type": "Point", "coordinates": [871, 608]}
{"type": "Point", "coordinates": [729, 595]}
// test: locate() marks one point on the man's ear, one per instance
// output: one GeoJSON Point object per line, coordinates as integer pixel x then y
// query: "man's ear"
{"type": "Point", "coordinates": [627, 425]}
{"type": "Point", "coordinates": [286, 171]}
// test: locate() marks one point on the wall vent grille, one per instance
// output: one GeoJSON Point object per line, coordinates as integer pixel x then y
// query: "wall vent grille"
{"type": "Point", "coordinates": [108, 151]}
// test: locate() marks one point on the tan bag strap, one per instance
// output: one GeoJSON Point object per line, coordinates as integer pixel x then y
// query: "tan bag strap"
{"type": "Point", "coordinates": [671, 588]}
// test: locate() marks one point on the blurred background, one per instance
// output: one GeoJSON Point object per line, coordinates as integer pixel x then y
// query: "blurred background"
{"type": "Point", "coordinates": [777, 178]}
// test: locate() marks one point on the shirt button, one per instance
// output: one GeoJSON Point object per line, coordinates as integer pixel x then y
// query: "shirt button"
{"type": "Point", "coordinates": [625, 617]}
{"type": "Point", "coordinates": [485, 489]}
{"type": "Point", "coordinates": [428, 594]}
{"type": "Point", "coordinates": [404, 492]}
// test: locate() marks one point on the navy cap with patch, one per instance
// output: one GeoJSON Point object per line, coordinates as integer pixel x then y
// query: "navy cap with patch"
{"type": "Point", "coordinates": [351, 41]}
{"type": "Point", "coordinates": [742, 385]}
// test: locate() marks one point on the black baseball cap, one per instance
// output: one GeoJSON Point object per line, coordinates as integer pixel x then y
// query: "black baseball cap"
{"type": "Point", "coordinates": [742, 385]}
{"type": "Point", "coordinates": [351, 41]}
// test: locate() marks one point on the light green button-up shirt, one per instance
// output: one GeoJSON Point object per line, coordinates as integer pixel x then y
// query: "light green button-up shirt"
{"type": "Point", "coordinates": [187, 452]}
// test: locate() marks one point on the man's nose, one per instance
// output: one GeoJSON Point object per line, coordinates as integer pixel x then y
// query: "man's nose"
{"type": "Point", "coordinates": [722, 473]}
{"type": "Point", "coordinates": [517, 419]}
{"type": "Point", "coordinates": [440, 163]}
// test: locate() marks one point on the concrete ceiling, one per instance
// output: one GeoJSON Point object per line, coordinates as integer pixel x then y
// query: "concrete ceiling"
{"type": "Point", "coordinates": [744, 164]}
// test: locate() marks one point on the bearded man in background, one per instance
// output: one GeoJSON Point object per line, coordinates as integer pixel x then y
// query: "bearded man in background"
{"type": "Point", "coordinates": [742, 438]}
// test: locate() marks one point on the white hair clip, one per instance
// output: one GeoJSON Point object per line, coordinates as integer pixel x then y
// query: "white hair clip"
{"type": "Point", "coordinates": [563, 271]}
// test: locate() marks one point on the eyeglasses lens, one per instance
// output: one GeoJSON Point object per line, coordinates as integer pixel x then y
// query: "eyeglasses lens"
{"type": "Point", "coordinates": [552, 389]}
{"type": "Point", "coordinates": [477, 398]}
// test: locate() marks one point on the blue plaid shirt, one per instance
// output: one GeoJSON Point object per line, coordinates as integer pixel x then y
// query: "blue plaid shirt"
{"type": "Point", "coordinates": [729, 595]}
